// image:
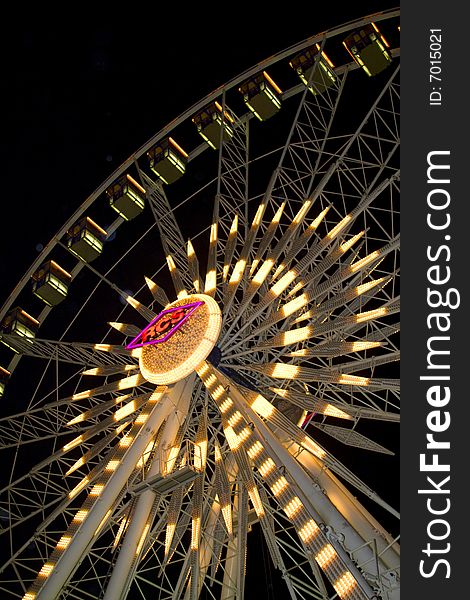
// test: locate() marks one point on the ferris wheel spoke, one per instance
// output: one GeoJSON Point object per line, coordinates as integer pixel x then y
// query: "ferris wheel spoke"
{"type": "Point", "coordinates": [263, 271]}
{"type": "Point", "coordinates": [238, 273]}
{"type": "Point", "coordinates": [168, 228]}
{"type": "Point", "coordinates": [158, 293]}
{"type": "Point", "coordinates": [71, 352]}
{"type": "Point", "coordinates": [216, 387]}
{"type": "Point", "coordinates": [193, 263]}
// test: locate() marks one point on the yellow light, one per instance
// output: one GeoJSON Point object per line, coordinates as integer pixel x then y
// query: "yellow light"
{"type": "Point", "coordinates": [80, 516]}
{"type": "Point", "coordinates": [169, 465]}
{"type": "Point", "coordinates": [232, 438]}
{"type": "Point", "coordinates": [200, 455]}
{"type": "Point", "coordinates": [238, 271]}
{"type": "Point", "coordinates": [283, 283]}
{"type": "Point", "coordinates": [258, 215]}
{"type": "Point", "coordinates": [279, 485]}
{"type": "Point", "coordinates": [371, 314]}
{"type": "Point", "coordinates": [211, 380]}
{"type": "Point", "coordinates": [339, 227]}
{"type": "Point", "coordinates": [122, 526]}
{"type": "Point", "coordinates": [96, 226]}
{"type": "Point", "coordinates": [267, 467]}
{"type": "Point", "coordinates": [302, 212]}
{"type": "Point", "coordinates": [353, 380]}
{"type": "Point", "coordinates": [345, 246]}
{"type": "Point", "coordinates": [63, 542]}
{"type": "Point", "coordinates": [170, 263]}
{"type": "Point", "coordinates": [170, 530]}
{"type": "Point", "coordinates": [131, 381]}
{"type": "Point", "coordinates": [75, 442]}
{"type": "Point", "coordinates": [280, 392]}
{"type": "Point", "coordinates": [59, 268]}
{"type": "Point", "coordinates": [125, 410]}
{"type": "Point", "coordinates": [263, 271]}
{"type": "Point", "coordinates": [203, 369]}
{"type": "Point", "coordinates": [145, 456]}
{"type": "Point", "coordinates": [126, 441]}
{"type": "Point", "coordinates": [227, 515]}
{"type": "Point", "coordinates": [103, 521]}
{"type": "Point", "coordinates": [273, 83]}
{"type": "Point", "coordinates": [97, 489]}
{"type": "Point", "coordinates": [195, 532]}
{"type": "Point", "coordinates": [293, 507]}
{"type": "Point", "coordinates": [283, 371]}
{"type": "Point", "coordinates": [82, 395]}
{"type": "Point", "coordinates": [295, 335]}
{"type": "Point", "coordinates": [256, 501]}
{"type": "Point", "coordinates": [46, 569]}
{"type": "Point", "coordinates": [134, 182]}
{"type": "Point", "coordinates": [345, 584]}
{"type": "Point", "coordinates": [112, 465]}
{"type": "Point", "coordinates": [226, 405]}
{"type": "Point", "coordinates": [178, 147]}
{"type": "Point", "coordinates": [326, 555]}
{"type": "Point", "coordinates": [357, 346]}
{"type": "Point", "coordinates": [218, 393]}
{"type": "Point", "coordinates": [255, 450]}
{"type": "Point", "coordinates": [308, 532]}
{"type": "Point", "coordinates": [234, 227]}
{"type": "Point", "coordinates": [29, 596]}
{"type": "Point", "coordinates": [235, 418]}
{"type": "Point", "coordinates": [262, 407]}
{"type": "Point", "coordinates": [244, 434]}
{"type": "Point", "coordinates": [142, 538]}
{"type": "Point", "coordinates": [28, 316]}
{"type": "Point", "coordinates": [294, 305]}
{"type": "Point", "coordinates": [364, 261]}
{"type": "Point", "coordinates": [142, 418]}
{"type": "Point", "coordinates": [79, 487]}
{"type": "Point", "coordinates": [328, 60]}
{"type": "Point", "coordinates": [333, 411]}
{"type": "Point", "coordinates": [211, 281]}
{"type": "Point", "coordinates": [219, 108]}
{"type": "Point", "coordinates": [77, 464]}
{"type": "Point", "coordinates": [217, 454]}
{"type": "Point", "coordinates": [364, 287]}
{"type": "Point", "coordinates": [310, 445]}
{"type": "Point", "coordinates": [103, 347]}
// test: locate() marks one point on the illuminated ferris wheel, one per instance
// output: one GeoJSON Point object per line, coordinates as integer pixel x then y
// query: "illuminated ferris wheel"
{"type": "Point", "coordinates": [152, 434]}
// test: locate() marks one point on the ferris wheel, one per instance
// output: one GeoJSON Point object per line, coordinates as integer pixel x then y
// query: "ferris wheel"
{"type": "Point", "coordinates": [193, 361]}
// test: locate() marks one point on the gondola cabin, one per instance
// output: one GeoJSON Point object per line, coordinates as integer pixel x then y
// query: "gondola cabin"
{"type": "Point", "coordinates": [4, 375]}
{"type": "Point", "coordinates": [168, 160]}
{"type": "Point", "coordinates": [127, 197]}
{"type": "Point", "coordinates": [262, 96]}
{"type": "Point", "coordinates": [214, 124]}
{"type": "Point", "coordinates": [85, 239]}
{"type": "Point", "coordinates": [51, 283]}
{"type": "Point", "coordinates": [18, 322]}
{"type": "Point", "coordinates": [369, 49]}
{"type": "Point", "coordinates": [315, 69]}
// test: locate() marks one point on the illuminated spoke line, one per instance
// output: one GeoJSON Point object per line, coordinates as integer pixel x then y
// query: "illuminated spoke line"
{"type": "Point", "coordinates": [308, 531]}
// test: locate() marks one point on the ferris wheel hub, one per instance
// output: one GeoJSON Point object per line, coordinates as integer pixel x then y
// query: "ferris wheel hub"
{"type": "Point", "coordinates": [179, 339]}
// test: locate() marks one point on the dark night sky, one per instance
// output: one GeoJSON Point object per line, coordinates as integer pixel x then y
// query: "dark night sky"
{"type": "Point", "coordinates": [77, 102]}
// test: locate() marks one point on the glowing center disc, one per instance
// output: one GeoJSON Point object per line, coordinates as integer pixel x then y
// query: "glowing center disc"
{"type": "Point", "coordinates": [196, 331]}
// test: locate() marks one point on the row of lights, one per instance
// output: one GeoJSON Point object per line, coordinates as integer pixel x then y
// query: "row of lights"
{"type": "Point", "coordinates": [308, 530]}
{"type": "Point", "coordinates": [92, 497]}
